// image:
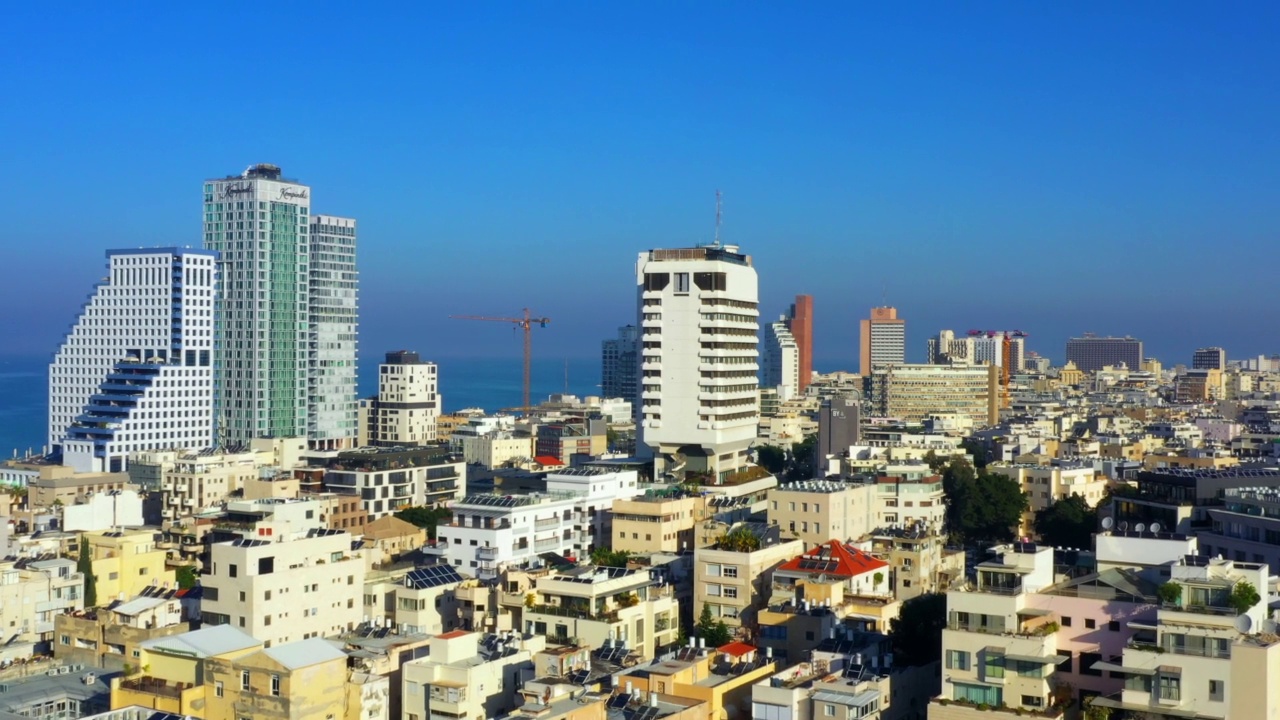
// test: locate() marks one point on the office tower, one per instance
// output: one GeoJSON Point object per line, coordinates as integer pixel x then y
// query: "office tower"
{"type": "Point", "coordinates": [800, 323]}
{"type": "Point", "coordinates": [780, 360]}
{"type": "Point", "coordinates": [1092, 353]}
{"type": "Point", "coordinates": [136, 370]}
{"type": "Point", "coordinates": [286, 331]}
{"type": "Point", "coordinates": [331, 349]}
{"type": "Point", "coordinates": [838, 428]}
{"type": "Point", "coordinates": [989, 347]}
{"type": "Point", "coordinates": [618, 364]}
{"type": "Point", "coordinates": [408, 402]}
{"type": "Point", "coordinates": [913, 393]}
{"type": "Point", "coordinates": [1213, 358]}
{"type": "Point", "coordinates": [699, 391]}
{"type": "Point", "coordinates": [884, 340]}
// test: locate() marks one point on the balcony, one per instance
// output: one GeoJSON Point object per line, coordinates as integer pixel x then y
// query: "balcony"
{"type": "Point", "coordinates": [487, 553]}
{"type": "Point", "coordinates": [546, 523]}
{"type": "Point", "coordinates": [546, 544]}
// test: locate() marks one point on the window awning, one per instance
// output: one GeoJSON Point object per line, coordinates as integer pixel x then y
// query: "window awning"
{"type": "Point", "coordinates": [1043, 660]}
{"type": "Point", "coordinates": [865, 697]}
{"type": "Point", "coordinates": [1103, 665]}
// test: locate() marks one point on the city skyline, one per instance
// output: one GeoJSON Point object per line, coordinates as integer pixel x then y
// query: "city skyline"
{"type": "Point", "coordinates": [901, 155]}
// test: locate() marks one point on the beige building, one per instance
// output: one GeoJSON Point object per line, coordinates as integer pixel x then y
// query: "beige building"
{"type": "Point", "coordinates": [733, 577]}
{"type": "Point", "coordinates": [127, 562]}
{"type": "Point", "coordinates": [496, 449]}
{"type": "Point", "coordinates": [919, 561]}
{"type": "Point", "coordinates": [33, 594]}
{"type": "Point", "coordinates": [282, 587]}
{"type": "Point", "coordinates": [817, 511]}
{"type": "Point", "coordinates": [720, 679]}
{"type": "Point", "coordinates": [912, 393]}
{"type": "Point", "coordinates": [910, 500]}
{"type": "Point", "coordinates": [112, 637]}
{"type": "Point", "coordinates": [200, 482]}
{"type": "Point", "coordinates": [658, 521]}
{"type": "Point", "coordinates": [388, 539]}
{"type": "Point", "coordinates": [1047, 484]}
{"type": "Point", "coordinates": [424, 600]}
{"type": "Point", "coordinates": [468, 676]}
{"type": "Point", "coordinates": [61, 486]}
{"type": "Point", "coordinates": [591, 605]}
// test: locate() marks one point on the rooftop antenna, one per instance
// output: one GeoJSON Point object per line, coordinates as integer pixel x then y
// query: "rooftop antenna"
{"type": "Point", "coordinates": [719, 216]}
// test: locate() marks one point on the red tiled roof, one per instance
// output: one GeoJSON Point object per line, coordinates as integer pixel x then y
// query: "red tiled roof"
{"type": "Point", "coordinates": [548, 460]}
{"type": "Point", "coordinates": [736, 649]}
{"type": "Point", "coordinates": [453, 634]}
{"type": "Point", "coordinates": [834, 558]}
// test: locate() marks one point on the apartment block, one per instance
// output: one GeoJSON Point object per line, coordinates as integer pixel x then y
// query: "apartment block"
{"type": "Point", "coordinates": [33, 595]}
{"type": "Point", "coordinates": [620, 364]}
{"type": "Point", "coordinates": [389, 479]}
{"type": "Point", "coordinates": [1045, 485]}
{"type": "Point", "coordinates": [817, 511]}
{"type": "Point", "coordinates": [913, 393]}
{"type": "Point", "coordinates": [599, 606]}
{"type": "Point", "coordinates": [1091, 353]}
{"type": "Point", "coordinates": [468, 675]}
{"type": "Point", "coordinates": [919, 560]}
{"type": "Point", "coordinates": [733, 575]}
{"type": "Point", "coordinates": [719, 678]}
{"type": "Point", "coordinates": [884, 340]}
{"type": "Point", "coordinates": [910, 501]}
{"type": "Point", "coordinates": [127, 562]}
{"type": "Point", "coordinates": [112, 637]}
{"type": "Point", "coordinates": [657, 521]}
{"type": "Point", "coordinates": [780, 360]}
{"type": "Point", "coordinates": [407, 405]}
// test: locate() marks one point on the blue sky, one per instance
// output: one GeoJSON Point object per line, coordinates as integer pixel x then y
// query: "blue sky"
{"type": "Point", "coordinates": [1107, 167]}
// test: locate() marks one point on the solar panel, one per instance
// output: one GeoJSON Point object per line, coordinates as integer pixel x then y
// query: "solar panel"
{"type": "Point", "coordinates": [647, 713]}
{"type": "Point", "coordinates": [619, 701]}
{"type": "Point", "coordinates": [432, 576]}
{"type": "Point", "coordinates": [579, 677]}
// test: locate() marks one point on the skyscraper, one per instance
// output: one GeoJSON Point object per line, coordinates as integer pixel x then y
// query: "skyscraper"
{"type": "Point", "coordinates": [780, 359]}
{"type": "Point", "coordinates": [618, 361]}
{"type": "Point", "coordinates": [884, 340]}
{"type": "Point", "coordinates": [699, 319]}
{"type": "Point", "coordinates": [286, 330]}
{"type": "Point", "coordinates": [1092, 353]}
{"type": "Point", "coordinates": [136, 370]}
{"type": "Point", "coordinates": [801, 325]}
{"type": "Point", "coordinates": [1211, 358]}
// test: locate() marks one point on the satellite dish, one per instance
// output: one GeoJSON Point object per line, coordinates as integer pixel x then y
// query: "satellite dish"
{"type": "Point", "coordinates": [1124, 526]}
{"type": "Point", "coordinates": [1155, 527]}
{"type": "Point", "coordinates": [1107, 522]}
{"type": "Point", "coordinates": [1244, 623]}
{"type": "Point", "coordinates": [1139, 527]}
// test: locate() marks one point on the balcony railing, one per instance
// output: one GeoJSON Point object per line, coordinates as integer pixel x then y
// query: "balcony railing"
{"type": "Point", "coordinates": [575, 612]}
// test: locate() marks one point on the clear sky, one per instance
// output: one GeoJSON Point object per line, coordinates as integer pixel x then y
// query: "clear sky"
{"type": "Point", "coordinates": [1057, 168]}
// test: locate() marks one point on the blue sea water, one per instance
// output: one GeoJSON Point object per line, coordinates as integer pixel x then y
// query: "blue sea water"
{"type": "Point", "coordinates": [489, 383]}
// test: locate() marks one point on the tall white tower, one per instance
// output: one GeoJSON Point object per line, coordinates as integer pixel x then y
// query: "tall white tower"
{"type": "Point", "coordinates": [699, 390]}
{"type": "Point", "coordinates": [286, 332]}
{"type": "Point", "coordinates": [780, 354]}
{"type": "Point", "coordinates": [136, 370]}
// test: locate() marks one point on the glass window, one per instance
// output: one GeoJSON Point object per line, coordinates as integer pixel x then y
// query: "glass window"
{"type": "Point", "coordinates": [957, 660]}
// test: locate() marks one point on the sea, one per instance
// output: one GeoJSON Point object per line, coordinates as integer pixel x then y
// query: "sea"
{"type": "Point", "coordinates": [489, 383]}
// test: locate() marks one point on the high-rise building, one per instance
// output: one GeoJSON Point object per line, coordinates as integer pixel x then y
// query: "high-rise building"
{"type": "Point", "coordinates": [136, 370]}
{"type": "Point", "coordinates": [1092, 353]}
{"type": "Point", "coordinates": [1211, 358]}
{"type": "Point", "coordinates": [838, 426]}
{"type": "Point", "coordinates": [286, 329]}
{"type": "Point", "coordinates": [408, 403]}
{"type": "Point", "coordinates": [915, 392]}
{"type": "Point", "coordinates": [884, 340]}
{"type": "Point", "coordinates": [618, 361]}
{"type": "Point", "coordinates": [780, 360]}
{"type": "Point", "coordinates": [977, 348]}
{"type": "Point", "coordinates": [801, 325]}
{"type": "Point", "coordinates": [699, 394]}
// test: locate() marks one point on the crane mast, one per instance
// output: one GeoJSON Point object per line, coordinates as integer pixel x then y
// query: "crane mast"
{"type": "Point", "coordinates": [526, 324]}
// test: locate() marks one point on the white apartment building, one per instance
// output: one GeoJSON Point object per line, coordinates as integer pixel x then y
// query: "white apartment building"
{"type": "Point", "coordinates": [203, 480]}
{"type": "Point", "coordinates": [287, 326]}
{"type": "Point", "coordinates": [699, 323]}
{"type": "Point", "coordinates": [389, 479]}
{"type": "Point", "coordinates": [468, 675]}
{"type": "Point", "coordinates": [281, 587]}
{"type": "Point", "coordinates": [408, 402]}
{"type": "Point", "coordinates": [590, 605]}
{"type": "Point", "coordinates": [331, 352]}
{"type": "Point", "coordinates": [780, 360]}
{"type": "Point", "coordinates": [136, 370]}
{"type": "Point", "coordinates": [489, 532]}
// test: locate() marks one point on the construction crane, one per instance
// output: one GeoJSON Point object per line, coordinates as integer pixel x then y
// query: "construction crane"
{"type": "Point", "coordinates": [525, 323]}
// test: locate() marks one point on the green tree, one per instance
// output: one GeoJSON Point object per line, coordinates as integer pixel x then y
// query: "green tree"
{"type": "Point", "coordinates": [1069, 522]}
{"type": "Point", "coordinates": [1243, 596]}
{"type": "Point", "coordinates": [605, 557]}
{"type": "Point", "coordinates": [803, 459]}
{"type": "Point", "coordinates": [916, 633]}
{"type": "Point", "coordinates": [772, 458]}
{"type": "Point", "coordinates": [981, 505]}
{"type": "Point", "coordinates": [979, 452]}
{"type": "Point", "coordinates": [1170, 593]}
{"type": "Point", "coordinates": [425, 517]}
{"type": "Point", "coordinates": [713, 632]}
{"type": "Point", "coordinates": [739, 539]}
{"type": "Point", "coordinates": [934, 461]}
{"type": "Point", "coordinates": [85, 565]}
{"type": "Point", "coordinates": [186, 576]}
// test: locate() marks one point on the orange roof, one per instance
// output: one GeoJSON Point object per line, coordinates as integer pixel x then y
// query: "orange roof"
{"type": "Point", "coordinates": [736, 649]}
{"type": "Point", "coordinates": [834, 558]}
{"type": "Point", "coordinates": [548, 460]}
{"type": "Point", "coordinates": [453, 634]}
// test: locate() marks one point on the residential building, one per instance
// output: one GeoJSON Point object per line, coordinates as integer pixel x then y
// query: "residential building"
{"type": "Point", "coordinates": [699, 394]}
{"type": "Point", "coordinates": [1199, 386]}
{"type": "Point", "coordinates": [33, 593]}
{"type": "Point", "coordinates": [835, 561]}
{"type": "Point", "coordinates": [1179, 500]}
{"type": "Point", "coordinates": [103, 511]}
{"type": "Point", "coordinates": [817, 511]}
{"type": "Point", "coordinates": [468, 675]}
{"type": "Point", "coordinates": [64, 692]}
{"type": "Point", "coordinates": [838, 426]}
{"type": "Point", "coordinates": [780, 360]}
{"type": "Point", "coordinates": [657, 521]}
{"type": "Point", "coordinates": [620, 364]}
{"type": "Point", "coordinates": [135, 371]}
{"type": "Point", "coordinates": [127, 562]}
{"type": "Point", "coordinates": [566, 438]}
{"type": "Point", "coordinates": [407, 405]}
{"type": "Point", "coordinates": [490, 532]}
{"type": "Point", "coordinates": [256, 583]}
{"type": "Point", "coordinates": [919, 560]}
{"type": "Point", "coordinates": [1245, 526]}
{"type": "Point", "coordinates": [884, 340]}
{"type": "Point", "coordinates": [176, 679]}
{"type": "Point", "coordinates": [1210, 358]}
{"type": "Point", "coordinates": [800, 322]}
{"type": "Point", "coordinates": [424, 600]}
{"type": "Point", "coordinates": [913, 501]}
{"type": "Point", "coordinates": [732, 578]}
{"type": "Point", "coordinates": [388, 479]}
{"type": "Point", "coordinates": [1045, 485]}
{"type": "Point", "coordinates": [204, 480]}
{"type": "Point", "coordinates": [497, 449]}
{"type": "Point", "coordinates": [112, 637]}
{"type": "Point", "coordinates": [604, 606]}
{"type": "Point", "coordinates": [719, 677]}
{"type": "Point", "coordinates": [389, 538]}
{"type": "Point", "coordinates": [286, 333]}
{"type": "Point", "coordinates": [912, 393]}
{"type": "Point", "coordinates": [1091, 353]}
{"type": "Point", "coordinates": [71, 488]}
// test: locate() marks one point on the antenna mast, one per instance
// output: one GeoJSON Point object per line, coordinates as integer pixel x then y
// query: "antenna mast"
{"type": "Point", "coordinates": [718, 217]}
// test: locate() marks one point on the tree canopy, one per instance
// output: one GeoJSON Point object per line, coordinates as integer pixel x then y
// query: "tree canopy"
{"type": "Point", "coordinates": [772, 458]}
{"type": "Point", "coordinates": [796, 462]}
{"type": "Point", "coordinates": [739, 539]}
{"type": "Point", "coordinates": [425, 517]}
{"type": "Point", "coordinates": [186, 576]}
{"type": "Point", "coordinates": [85, 565]}
{"type": "Point", "coordinates": [1069, 522]}
{"type": "Point", "coordinates": [916, 633]}
{"type": "Point", "coordinates": [605, 557]}
{"type": "Point", "coordinates": [981, 505]}
{"type": "Point", "coordinates": [713, 632]}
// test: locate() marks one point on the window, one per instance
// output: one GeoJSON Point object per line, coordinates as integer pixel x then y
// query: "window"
{"type": "Point", "coordinates": [234, 571]}
{"type": "Point", "coordinates": [66, 639]}
{"type": "Point", "coordinates": [828, 710]}
{"type": "Point", "coordinates": [244, 679]}
{"type": "Point", "coordinates": [1066, 621]}
{"type": "Point", "coordinates": [730, 571]}
{"type": "Point", "coordinates": [275, 685]}
{"type": "Point", "coordinates": [957, 660]}
{"type": "Point", "coordinates": [217, 688]}
{"type": "Point", "coordinates": [979, 694]}
{"type": "Point", "coordinates": [1032, 701]}
{"type": "Point", "coordinates": [1216, 690]}
{"type": "Point", "coordinates": [682, 282]}
{"type": "Point", "coordinates": [1114, 626]}
{"type": "Point", "coordinates": [730, 592]}
{"type": "Point", "coordinates": [266, 565]}
{"type": "Point", "coordinates": [1170, 687]}
{"type": "Point", "coordinates": [1090, 623]}
{"type": "Point", "coordinates": [1087, 661]}
{"type": "Point", "coordinates": [992, 666]}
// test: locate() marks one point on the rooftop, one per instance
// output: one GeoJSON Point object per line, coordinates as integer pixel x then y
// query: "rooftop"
{"type": "Point", "coordinates": [833, 558]}
{"type": "Point", "coordinates": [203, 643]}
{"type": "Point", "coordinates": [304, 653]}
